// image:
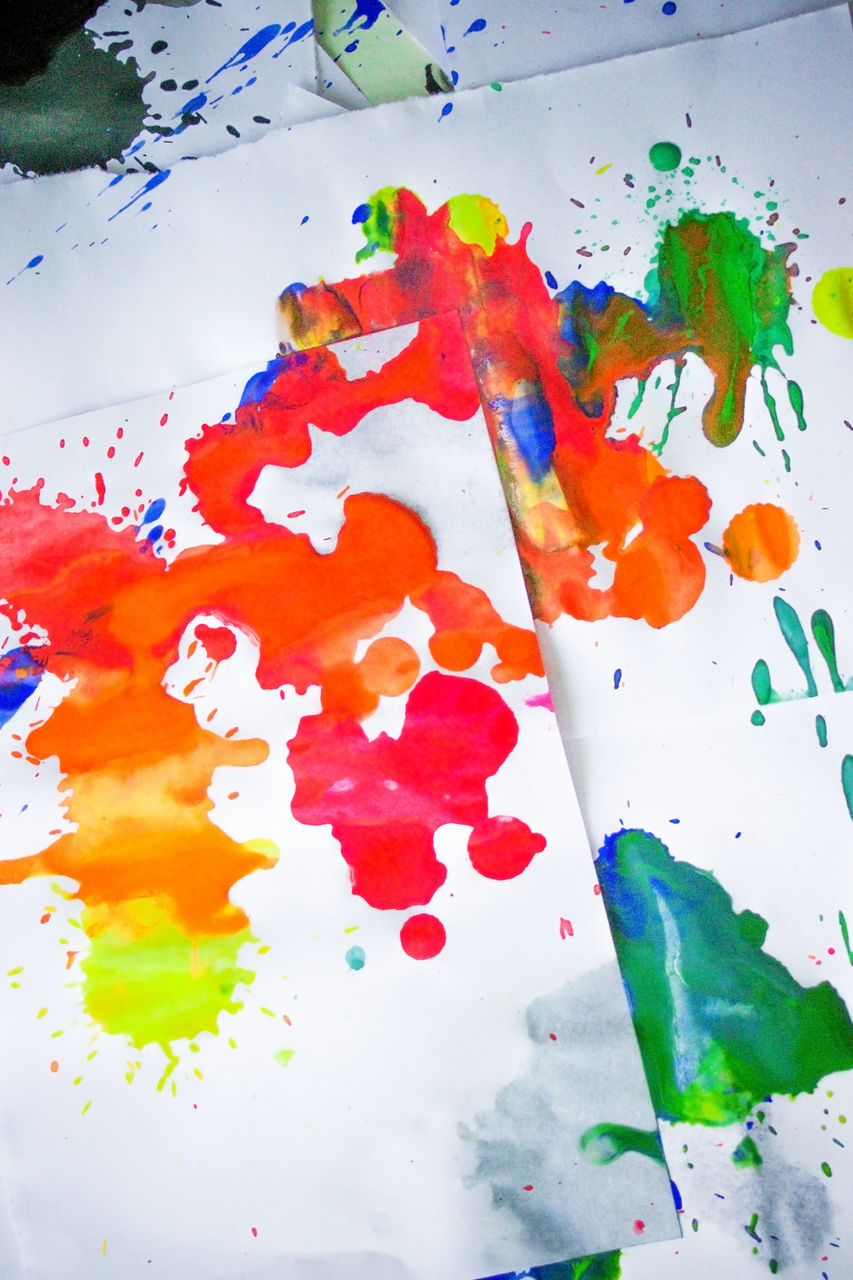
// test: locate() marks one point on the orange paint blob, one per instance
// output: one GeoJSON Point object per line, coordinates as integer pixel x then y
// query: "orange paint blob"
{"type": "Point", "coordinates": [761, 542]}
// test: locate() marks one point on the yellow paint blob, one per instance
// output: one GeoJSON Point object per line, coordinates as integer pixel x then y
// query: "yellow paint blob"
{"type": "Point", "coordinates": [832, 301]}
{"type": "Point", "coordinates": [477, 220]}
{"type": "Point", "coordinates": [761, 542]}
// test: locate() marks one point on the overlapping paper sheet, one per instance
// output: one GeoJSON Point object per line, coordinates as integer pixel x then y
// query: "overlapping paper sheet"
{"type": "Point", "coordinates": [654, 287]}
{"type": "Point", "coordinates": [306, 964]}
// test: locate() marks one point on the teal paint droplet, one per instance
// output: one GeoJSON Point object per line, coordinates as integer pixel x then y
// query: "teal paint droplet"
{"type": "Point", "coordinates": [795, 395]}
{"type": "Point", "coordinates": [826, 1169]}
{"type": "Point", "coordinates": [757, 718]}
{"type": "Point", "coordinates": [665, 156]}
{"type": "Point", "coordinates": [823, 630]}
{"type": "Point", "coordinates": [761, 686]}
{"type": "Point", "coordinates": [820, 729]}
{"type": "Point", "coordinates": [795, 638]}
{"type": "Point", "coordinates": [355, 958]}
{"type": "Point", "coordinates": [847, 782]}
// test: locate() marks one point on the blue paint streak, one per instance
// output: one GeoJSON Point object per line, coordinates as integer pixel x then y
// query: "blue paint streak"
{"type": "Point", "coordinates": [155, 510]}
{"type": "Point", "coordinates": [368, 11]}
{"type": "Point", "coordinates": [155, 534]}
{"type": "Point", "coordinates": [446, 110]}
{"type": "Point", "coordinates": [20, 673]}
{"type": "Point", "coordinates": [550, 280]}
{"type": "Point", "coordinates": [192, 107]}
{"type": "Point", "coordinates": [479, 24]}
{"type": "Point", "coordinates": [250, 49]}
{"type": "Point", "coordinates": [154, 181]}
{"type": "Point", "coordinates": [528, 417]}
{"type": "Point", "coordinates": [617, 677]}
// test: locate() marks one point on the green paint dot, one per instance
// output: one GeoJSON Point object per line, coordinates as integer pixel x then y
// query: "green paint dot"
{"type": "Point", "coordinates": [832, 301]}
{"type": "Point", "coordinates": [356, 957]}
{"type": "Point", "coordinates": [757, 717]}
{"type": "Point", "coordinates": [826, 1169]}
{"type": "Point", "coordinates": [665, 156]}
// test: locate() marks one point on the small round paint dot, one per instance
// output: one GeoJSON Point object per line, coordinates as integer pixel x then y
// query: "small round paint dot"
{"type": "Point", "coordinates": [665, 156]}
{"type": "Point", "coordinates": [669, 8]}
{"type": "Point", "coordinates": [422, 936]}
{"type": "Point", "coordinates": [355, 958]}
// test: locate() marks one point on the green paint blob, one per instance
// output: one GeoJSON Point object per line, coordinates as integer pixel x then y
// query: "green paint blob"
{"type": "Point", "coordinates": [832, 301]}
{"type": "Point", "coordinates": [355, 958]}
{"type": "Point", "coordinates": [159, 986]}
{"type": "Point", "coordinates": [720, 1023]}
{"type": "Point", "coordinates": [84, 109]}
{"type": "Point", "coordinates": [847, 782]}
{"type": "Point", "coordinates": [477, 220]}
{"type": "Point", "coordinates": [823, 630]}
{"type": "Point", "coordinates": [665, 156]}
{"type": "Point", "coordinates": [604, 1143]}
{"type": "Point", "coordinates": [598, 1266]}
{"type": "Point", "coordinates": [795, 397]}
{"type": "Point", "coordinates": [732, 295]}
{"type": "Point", "coordinates": [826, 1169]}
{"type": "Point", "coordinates": [747, 1156]}
{"type": "Point", "coordinates": [284, 1056]}
{"type": "Point", "coordinates": [820, 730]}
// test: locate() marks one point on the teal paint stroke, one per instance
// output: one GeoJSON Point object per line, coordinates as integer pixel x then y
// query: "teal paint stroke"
{"type": "Point", "coordinates": [721, 1024]}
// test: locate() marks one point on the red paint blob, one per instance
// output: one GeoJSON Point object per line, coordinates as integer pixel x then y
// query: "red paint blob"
{"type": "Point", "coordinates": [422, 936]}
{"type": "Point", "coordinates": [219, 642]}
{"type": "Point", "coordinates": [501, 847]}
{"type": "Point", "coordinates": [639, 1226]}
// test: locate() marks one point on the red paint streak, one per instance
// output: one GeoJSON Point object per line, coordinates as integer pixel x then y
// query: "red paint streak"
{"type": "Point", "coordinates": [386, 798]}
{"type": "Point", "coordinates": [219, 642]}
{"type": "Point", "coordinates": [164, 419]}
{"type": "Point", "coordinates": [254, 1229]}
{"type": "Point", "coordinates": [529, 1187]}
{"type": "Point", "coordinates": [566, 930]}
{"type": "Point", "coordinates": [501, 847]}
{"type": "Point", "coordinates": [422, 937]}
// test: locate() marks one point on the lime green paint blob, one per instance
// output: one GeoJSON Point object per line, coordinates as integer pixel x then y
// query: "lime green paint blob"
{"type": "Point", "coordinates": [84, 109]}
{"type": "Point", "coordinates": [284, 1056]}
{"type": "Point", "coordinates": [720, 1023]}
{"type": "Point", "coordinates": [477, 220]}
{"type": "Point", "coordinates": [378, 228]}
{"type": "Point", "coordinates": [665, 156]}
{"type": "Point", "coordinates": [158, 986]}
{"type": "Point", "coordinates": [604, 1143]}
{"type": "Point", "coordinates": [732, 295]}
{"type": "Point", "coordinates": [832, 301]}
{"type": "Point", "coordinates": [746, 1154]}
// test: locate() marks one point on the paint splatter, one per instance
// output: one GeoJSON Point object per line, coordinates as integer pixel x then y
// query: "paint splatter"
{"type": "Point", "coordinates": [761, 542]}
{"type": "Point", "coordinates": [793, 633]}
{"type": "Point", "coordinates": [746, 1154]}
{"type": "Point", "coordinates": [153, 871]}
{"type": "Point", "coordinates": [604, 1143]}
{"type": "Point", "coordinates": [548, 369]}
{"type": "Point", "coordinates": [720, 1023]}
{"type": "Point", "coordinates": [356, 958]}
{"type": "Point", "coordinates": [832, 301]}
{"type": "Point", "coordinates": [665, 156]}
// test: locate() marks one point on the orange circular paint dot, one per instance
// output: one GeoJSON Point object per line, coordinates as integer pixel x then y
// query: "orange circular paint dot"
{"type": "Point", "coordinates": [761, 542]}
{"type": "Point", "coordinates": [54, 1066]}
{"type": "Point", "coordinates": [389, 667]}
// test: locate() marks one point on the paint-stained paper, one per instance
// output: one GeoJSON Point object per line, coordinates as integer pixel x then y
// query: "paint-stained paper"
{"type": "Point", "coordinates": [305, 964]}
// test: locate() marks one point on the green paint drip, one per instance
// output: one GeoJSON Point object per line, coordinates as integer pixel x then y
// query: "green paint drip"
{"type": "Point", "coordinates": [795, 395]}
{"type": "Point", "coordinates": [761, 686]}
{"type": "Point", "coordinates": [845, 935]}
{"type": "Point", "coordinates": [820, 730]}
{"type": "Point", "coordinates": [86, 108]}
{"type": "Point", "coordinates": [770, 405]}
{"type": "Point", "coordinates": [747, 1156]}
{"type": "Point", "coordinates": [604, 1143]}
{"type": "Point", "coordinates": [823, 630]}
{"type": "Point", "coordinates": [795, 639]}
{"type": "Point", "coordinates": [733, 296]}
{"type": "Point", "coordinates": [673, 411]}
{"type": "Point", "coordinates": [720, 1023]}
{"type": "Point", "coordinates": [638, 398]}
{"type": "Point", "coordinates": [847, 782]}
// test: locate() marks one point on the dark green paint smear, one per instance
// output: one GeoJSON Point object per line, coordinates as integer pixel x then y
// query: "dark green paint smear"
{"type": "Point", "coordinates": [720, 1023]}
{"type": "Point", "coordinates": [84, 109]}
{"type": "Point", "coordinates": [746, 1154]}
{"type": "Point", "coordinates": [604, 1143]}
{"type": "Point", "coordinates": [847, 782]}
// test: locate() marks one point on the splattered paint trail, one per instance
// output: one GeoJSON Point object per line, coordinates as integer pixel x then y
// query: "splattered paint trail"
{"type": "Point", "coordinates": [548, 369]}
{"type": "Point", "coordinates": [721, 1024]}
{"type": "Point", "coordinates": [154, 871]}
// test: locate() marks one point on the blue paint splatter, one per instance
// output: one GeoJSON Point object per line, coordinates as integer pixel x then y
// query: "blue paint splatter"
{"type": "Point", "coordinates": [528, 416]}
{"type": "Point", "coordinates": [155, 510]}
{"type": "Point", "coordinates": [259, 384]}
{"type": "Point", "coordinates": [550, 280]}
{"type": "Point", "coordinates": [360, 214]}
{"type": "Point", "coordinates": [617, 677]}
{"type": "Point", "coordinates": [20, 673]}
{"type": "Point", "coordinates": [33, 262]}
{"type": "Point", "coordinates": [366, 10]}
{"type": "Point", "coordinates": [446, 110]}
{"type": "Point", "coordinates": [250, 49]}
{"type": "Point", "coordinates": [676, 1196]}
{"type": "Point", "coordinates": [479, 24]}
{"type": "Point", "coordinates": [152, 182]}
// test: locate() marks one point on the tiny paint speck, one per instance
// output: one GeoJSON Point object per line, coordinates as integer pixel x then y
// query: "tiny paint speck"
{"type": "Point", "coordinates": [355, 958]}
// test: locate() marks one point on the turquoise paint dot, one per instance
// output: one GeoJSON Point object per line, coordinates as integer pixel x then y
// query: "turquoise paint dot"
{"type": "Point", "coordinates": [356, 957]}
{"type": "Point", "coordinates": [665, 156]}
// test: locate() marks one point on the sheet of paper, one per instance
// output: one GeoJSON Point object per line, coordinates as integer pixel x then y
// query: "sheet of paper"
{"type": "Point", "coordinates": [617, 198]}
{"type": "Point", "coordinates": [306, 969]}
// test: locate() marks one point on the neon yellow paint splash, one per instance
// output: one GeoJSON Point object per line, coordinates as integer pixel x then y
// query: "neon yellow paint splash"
{"type": "Point", "coordinates": [832, 301]}
{"type": "Point", "coordinates": [477, 220]}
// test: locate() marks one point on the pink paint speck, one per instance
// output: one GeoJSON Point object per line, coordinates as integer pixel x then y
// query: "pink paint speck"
{"type": "Point", "coordinates": [540, 700]}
